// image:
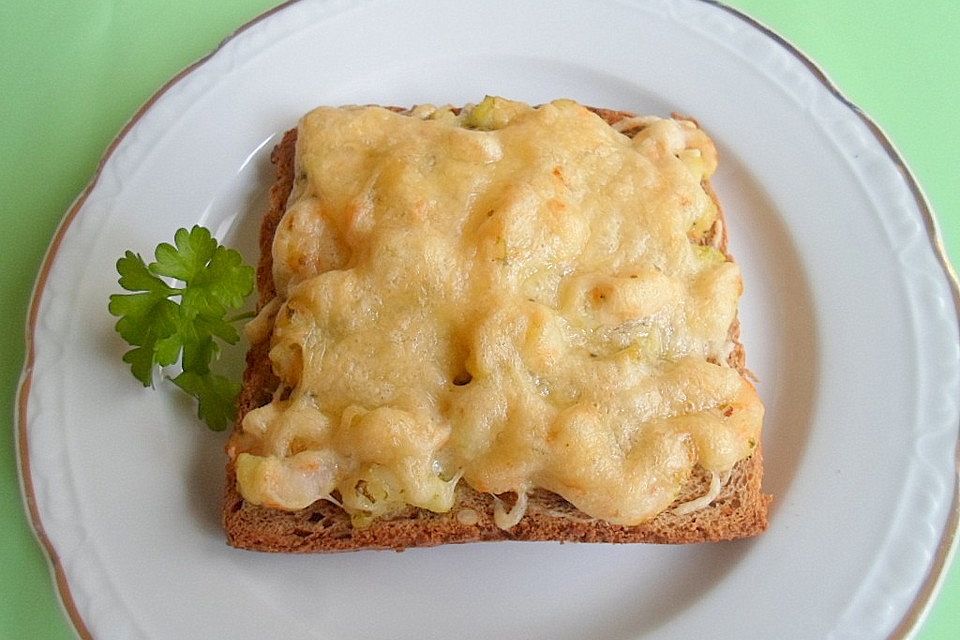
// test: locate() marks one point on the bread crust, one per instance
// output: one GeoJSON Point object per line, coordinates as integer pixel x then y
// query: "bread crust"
{"type": "Point", "coordinates": [739, 511]}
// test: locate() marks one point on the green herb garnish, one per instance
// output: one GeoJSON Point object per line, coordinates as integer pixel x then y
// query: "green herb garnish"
{"type": "Point", "coordinates": [163, 331]}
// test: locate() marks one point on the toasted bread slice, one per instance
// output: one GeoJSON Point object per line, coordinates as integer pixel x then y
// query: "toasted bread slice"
{"type": "Point", "coordinates": [740, 510]}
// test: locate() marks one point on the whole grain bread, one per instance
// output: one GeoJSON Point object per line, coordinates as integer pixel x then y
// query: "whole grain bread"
{"type": "Point", "coordinates": [739, 511]}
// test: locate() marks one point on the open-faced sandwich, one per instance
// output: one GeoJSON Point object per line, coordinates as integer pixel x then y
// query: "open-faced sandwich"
{"type": "Point", "coordinates": [494, 322]}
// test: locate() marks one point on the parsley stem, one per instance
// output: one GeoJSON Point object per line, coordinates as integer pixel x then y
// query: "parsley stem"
{"type": "Point", "coordinates": [246, 315]}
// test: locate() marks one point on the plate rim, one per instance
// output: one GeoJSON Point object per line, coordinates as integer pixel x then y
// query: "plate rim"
{"type": "Point", "coordinates": [916, 612]}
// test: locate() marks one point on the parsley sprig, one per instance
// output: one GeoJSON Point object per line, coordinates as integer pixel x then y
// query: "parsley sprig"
{"type": "Point", "coordinates": [163, 331]}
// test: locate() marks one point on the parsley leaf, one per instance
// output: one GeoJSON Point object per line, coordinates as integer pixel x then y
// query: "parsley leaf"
{"type": "Point", "coordinates": [136, 276]}
{"type": "Point", "coordinates": [188, 259]}
{"type": "Point", "coordinates": [216, 395]}
{"type": "Point", "coordinates": [163, 331]}
{"type": "Point", "coordinates": [215, 276]}
{"type": "Point", "coordinates": [147, 319]}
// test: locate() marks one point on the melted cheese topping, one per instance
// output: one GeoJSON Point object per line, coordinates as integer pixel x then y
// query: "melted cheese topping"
{"type": "Point", "coordinates": [513, 297]}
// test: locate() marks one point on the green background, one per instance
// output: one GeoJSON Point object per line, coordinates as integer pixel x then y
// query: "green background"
{"type": "Point", "coordinates": [72, 73]}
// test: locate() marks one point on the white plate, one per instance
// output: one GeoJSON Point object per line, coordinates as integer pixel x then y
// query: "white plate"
{"type": "Point", "coordinates": [849, 320]}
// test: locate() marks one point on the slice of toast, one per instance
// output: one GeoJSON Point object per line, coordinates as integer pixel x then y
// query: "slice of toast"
{"type": "Point", "coordinates": [740, 510]}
